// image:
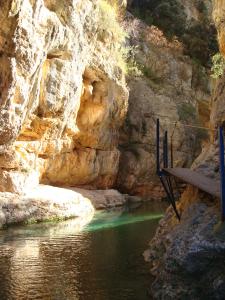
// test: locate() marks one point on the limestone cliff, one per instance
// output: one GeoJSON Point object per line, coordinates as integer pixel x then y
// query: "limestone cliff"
{"type": "Point", "coordinates": [63, 98]}
{"type": "Point", "coordinates": [187, 258]}
{"type": "Point", "coordinates": [63, 94]}
{"type": "Point", "coordinates": [172, 87]}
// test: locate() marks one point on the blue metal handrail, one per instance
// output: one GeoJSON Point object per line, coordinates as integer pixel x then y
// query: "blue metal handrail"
{"type": "Point", "coordinates": [157, 148]}
{"type": "Point", "coordinates": [165, 179]}
{"type": "Point", "coordinates": [168, 187]}
{"type": "Point", "coordinates": [165, 150]}
{"type": "Point", "coordinates": [222, 172]}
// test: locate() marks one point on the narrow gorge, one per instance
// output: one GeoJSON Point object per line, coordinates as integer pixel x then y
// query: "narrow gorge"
{"type": "Point", "coordinates": [82, 84]}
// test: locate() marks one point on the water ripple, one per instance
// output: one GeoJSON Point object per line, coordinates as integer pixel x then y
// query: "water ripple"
{"type": "Point", "coordinates": [55, 261]}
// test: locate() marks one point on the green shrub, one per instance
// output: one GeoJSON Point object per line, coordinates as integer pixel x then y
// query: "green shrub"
{"type": "Point", "coordinates": [168, 15]}
{"type": "Point", "coordinates": [218, 65]}
{"type": "Point", "coordinates": [198, 37]}
{"type": "Point", "coordinates": [200, 41]}
{"type": "Point", "coordinates": [133, 68]}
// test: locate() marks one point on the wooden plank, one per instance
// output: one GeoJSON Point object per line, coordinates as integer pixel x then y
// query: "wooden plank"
{"type": "Point", "coordinates": [198, 180]}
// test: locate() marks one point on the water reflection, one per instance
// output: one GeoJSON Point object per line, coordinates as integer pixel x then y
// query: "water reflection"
{"type": "Point", "coordinates": [57, 261]}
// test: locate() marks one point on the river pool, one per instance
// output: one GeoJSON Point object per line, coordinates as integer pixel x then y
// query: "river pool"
{"type": "Point", "coordinates": [102, 262]}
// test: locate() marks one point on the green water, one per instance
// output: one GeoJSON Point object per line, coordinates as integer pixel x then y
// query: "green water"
{"type": "Point", "coordinates": [103, 262]}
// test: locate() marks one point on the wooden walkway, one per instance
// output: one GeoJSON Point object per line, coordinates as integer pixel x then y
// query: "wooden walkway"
{"type": "Point", "coordinates": [198, 180]}
{"type": "Point", "coordinates": [208, 185]}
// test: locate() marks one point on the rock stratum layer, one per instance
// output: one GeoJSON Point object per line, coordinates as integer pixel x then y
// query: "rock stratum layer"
{"type": "Point", "coordinates": [63, 94]}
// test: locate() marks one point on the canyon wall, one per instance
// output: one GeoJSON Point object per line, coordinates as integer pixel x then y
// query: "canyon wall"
{"type": "Point", "coordinates": [63, 94]}
{"type": "Point", "coordinates": [164, 83]}
{"type": "Point", "coordinates": [64, 113]}
{"type": "Point", "coordinates": [187, 258]}
{"type": "Point", "coordinates": [64, 97]}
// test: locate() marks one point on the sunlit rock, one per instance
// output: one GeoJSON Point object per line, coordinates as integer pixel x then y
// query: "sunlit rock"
{"type": "Point", "coordinates": [44, 203]}
{"type": "Point", "coordinates": [63, 92]}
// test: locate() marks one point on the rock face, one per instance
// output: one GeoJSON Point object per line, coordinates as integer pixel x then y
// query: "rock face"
{"type": "Point", "coordinates": [172, 88]}
{"type": "Point", "coordinates": [187, 258]}
{"type": "Point", "coordinates": [44, 203]}
{"type": "Point", "coordinates": [103, 199]}
{"type": "Point", "coordinates": [63, 94]}
{"type": "Point", "coordinates": [64, 98]}
{"type": "Point", "coordinates": [106, 199]}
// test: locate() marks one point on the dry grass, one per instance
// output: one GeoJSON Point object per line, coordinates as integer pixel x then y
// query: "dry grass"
{"type": "Point", "coordinates": [111, 28]}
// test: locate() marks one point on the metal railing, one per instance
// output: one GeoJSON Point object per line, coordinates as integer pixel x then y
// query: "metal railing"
{"type": "Point", "coordinates": [165, 178]}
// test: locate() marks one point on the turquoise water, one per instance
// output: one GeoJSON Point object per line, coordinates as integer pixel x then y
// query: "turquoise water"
{"type": "Point", "coordinates": [103, 262]}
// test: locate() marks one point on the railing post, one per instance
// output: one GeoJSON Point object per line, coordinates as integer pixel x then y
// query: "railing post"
{"type": "Point", "coordinates": [171, 152]}
{"type": "Point", "coordinates": [165, 150]}
{"type": "Point", "coordinates": [157, 148]}
{"type": "Point", "coordinates": [222, 173]}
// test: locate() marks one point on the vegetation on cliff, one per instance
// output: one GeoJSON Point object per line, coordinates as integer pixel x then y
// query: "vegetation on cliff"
{"type": "Point", "coordinates": [109, 25]}
{"type": "Point", "coordinates": [197, 34]}
{"type": "Point", "coordinates": [218, 65]}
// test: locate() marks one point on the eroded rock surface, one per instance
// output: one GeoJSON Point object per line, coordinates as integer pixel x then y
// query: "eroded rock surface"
{"type": "Point", "coordinates": [172, 88]}
{"type": "Point", "coordinates": [187, 258]}
{"type": "Point", "coordinates": [106, 199]}
{"type": "Point", "coordinates": [63, 94]}
{"type": "Point", "coordinates": [44, 203]}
